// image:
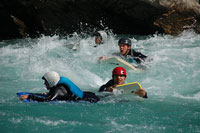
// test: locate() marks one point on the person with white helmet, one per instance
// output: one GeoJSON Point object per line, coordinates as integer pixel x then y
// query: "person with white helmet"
{"type": "Point", "coordinates": [61, 88]}
{"type": "Point", "coordinates": [118, 78]}
{"type": "Point", "coordinates": [100, 37]}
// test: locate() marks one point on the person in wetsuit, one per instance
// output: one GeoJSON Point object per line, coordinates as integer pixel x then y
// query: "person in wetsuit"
{"type": "Point", "coordinates": [61, 88]}
{"type": "Point", "coordinates": [100, 37]}
{"type": "Point", "coordinates": [127, 53]}
{"type": "Point", "coordinates": [118, 78]}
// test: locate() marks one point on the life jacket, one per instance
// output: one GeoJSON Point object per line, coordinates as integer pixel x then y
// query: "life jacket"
{"type": "Point", "coordinates": [73, 88]}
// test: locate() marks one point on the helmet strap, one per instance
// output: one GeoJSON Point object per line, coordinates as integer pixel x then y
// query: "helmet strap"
{"type": "Point", "coordinates": [127, 51]}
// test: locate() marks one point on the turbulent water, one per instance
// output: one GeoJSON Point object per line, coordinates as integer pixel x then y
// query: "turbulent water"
{"type": "Point", "coordinates": [172, 81]}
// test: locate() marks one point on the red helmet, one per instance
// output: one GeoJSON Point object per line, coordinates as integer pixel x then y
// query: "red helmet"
{"type": "Point", "coordinates": [119, 71]}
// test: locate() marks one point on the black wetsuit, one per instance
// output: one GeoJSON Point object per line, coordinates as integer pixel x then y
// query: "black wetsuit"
{"type": "Point", "coordinates": [62, 92]}
{"type": "Point", "coordinates": [105, 86]}
{"type": "Point", "coordinates": [137, 56]}
{"type": "Point", "coordinates": [110, 83]}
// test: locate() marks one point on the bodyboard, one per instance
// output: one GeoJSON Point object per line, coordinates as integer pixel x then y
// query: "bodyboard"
{"type": "Point", "coordinates": [119, 62]}
{"type": "Point", "coordinates": [28, 93]}
{"type": "Point", "coordinates": [127, 88]}
{"type": "Point", "coordinates": [74, 46]}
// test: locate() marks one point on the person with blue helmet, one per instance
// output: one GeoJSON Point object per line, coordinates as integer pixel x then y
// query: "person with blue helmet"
{"type": "Point", "coordinates": [61, 88]}
{"type": "Point", "coordinates": [127, 52]}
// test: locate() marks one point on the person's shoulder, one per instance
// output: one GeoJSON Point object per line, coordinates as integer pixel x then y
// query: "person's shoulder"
{"type": "Point", "coordinates": [135, 53]}
{"type": "Point", "coordinates": [110, 82]}
{"type": "Point", "coordinates": [104, 86]}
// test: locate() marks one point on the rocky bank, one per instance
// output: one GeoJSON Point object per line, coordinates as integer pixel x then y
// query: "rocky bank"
{"type": "Point", "coordinates": [22, 18]}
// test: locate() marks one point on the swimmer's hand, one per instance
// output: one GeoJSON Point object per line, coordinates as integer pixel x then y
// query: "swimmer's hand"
{"type": "Point", "coordinates": [141, 92]}
{"type": "Point", "coordinates": [102, 58]}
{"type": "Point", "coordinates": [22, 97]}
{"type": "Point", "coordinates": [111, 88]}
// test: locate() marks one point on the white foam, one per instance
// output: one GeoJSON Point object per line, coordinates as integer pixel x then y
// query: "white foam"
{"type": "Point", "coordinates": [15, 120]}
{"type": "Point", "coordinates": [192, 97]}
{"type": "Point", "coordinates": [48, 122]}
{"type": "Point", "coordinates": [173, 58]}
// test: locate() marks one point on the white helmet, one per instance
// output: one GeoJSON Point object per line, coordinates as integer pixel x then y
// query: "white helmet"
{"type": "Point", "coordinates": [103, 35]}
{"type": "Point", "coordinates": [52, 78]}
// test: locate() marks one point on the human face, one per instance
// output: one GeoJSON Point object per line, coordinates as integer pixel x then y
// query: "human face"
{"type": "Point", "coordinates": [119, 79]}
{"type": "Point", "coordinates": [46, 84]}
{"type": "Point", "coordinates": [124, 49]}
{"type": "Point", "coordinates": [98, 40]}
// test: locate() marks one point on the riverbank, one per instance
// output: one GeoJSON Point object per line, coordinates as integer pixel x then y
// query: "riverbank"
{"type": "Point", "coordinates": [21, 18]}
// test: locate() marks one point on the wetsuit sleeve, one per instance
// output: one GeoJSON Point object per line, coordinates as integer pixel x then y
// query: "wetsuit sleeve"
{"type": "Point", "coordinates": [56, 93]}
{"type": "Point", "coordinates": [145, 96]}
{"type": "Point", "coordinates": [90, 97]}
{"type": "Point", "coordinates": [105, 86]}
{"type": "Point", "coordinates": [39, 99]}
{"type": "Point", "coordinates": [138, 57]}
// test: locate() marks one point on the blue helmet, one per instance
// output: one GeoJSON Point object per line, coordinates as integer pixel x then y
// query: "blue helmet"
{"type": "Point", "coordinates": [126, 41]}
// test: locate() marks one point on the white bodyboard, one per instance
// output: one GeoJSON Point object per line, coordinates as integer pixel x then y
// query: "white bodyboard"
{"type": "Point", "coordinates": [119, 62]}
{"type": "Point", "coordinates": [127, 88]}
{"type": "Point", "coordinates": [74, 46]}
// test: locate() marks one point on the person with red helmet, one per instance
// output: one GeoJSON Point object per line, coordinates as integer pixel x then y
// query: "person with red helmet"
{"type": "Point", "coordinates": [118, 78]}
